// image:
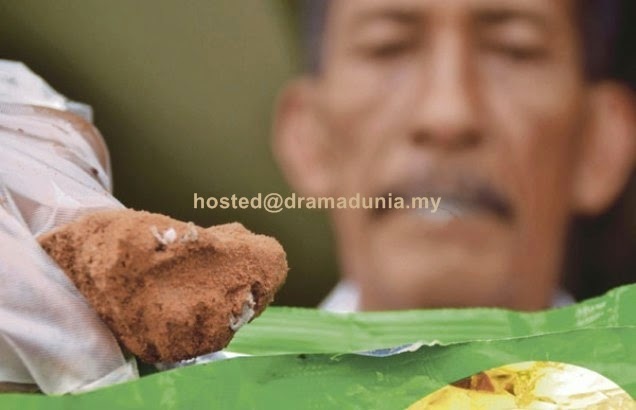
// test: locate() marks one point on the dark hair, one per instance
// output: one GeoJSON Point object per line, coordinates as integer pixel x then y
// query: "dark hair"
{"type": "Point", "coordinates": [314, 17]}
{"type": "Point", "coordinates": [598, 22]}
{"type": "Point", "coordinates": [601, 250]}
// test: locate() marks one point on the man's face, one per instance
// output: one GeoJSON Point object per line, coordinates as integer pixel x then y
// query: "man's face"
{"type": "Point", "coordinates": [475, 101]}
{"type": "Point", "coordinates": [479, 102]}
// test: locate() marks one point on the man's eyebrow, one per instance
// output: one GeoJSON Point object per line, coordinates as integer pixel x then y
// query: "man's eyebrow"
{"type": "Point", "coordinates": [404, 16]}
{"type": "Point", "coordinates": [498, 16]}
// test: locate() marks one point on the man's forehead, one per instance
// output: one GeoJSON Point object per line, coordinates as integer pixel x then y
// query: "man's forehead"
{"type": "Point", "coordinates": [355, 10]}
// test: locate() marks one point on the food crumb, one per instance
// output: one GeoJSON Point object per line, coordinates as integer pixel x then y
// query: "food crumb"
{"type": "Point", "coordinates": [166, 238]}
{"type": "Point", "coordinates": [247, 313]}
{"type": "Point", "coordinates": [191, 234]}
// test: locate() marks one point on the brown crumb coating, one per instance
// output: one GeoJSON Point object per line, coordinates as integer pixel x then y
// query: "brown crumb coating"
{"type": "Point", "coordinates": [168, 290]}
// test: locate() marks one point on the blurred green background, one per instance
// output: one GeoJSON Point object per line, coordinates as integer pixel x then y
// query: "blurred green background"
{"type": "Point", "coordinates": [183, 93]}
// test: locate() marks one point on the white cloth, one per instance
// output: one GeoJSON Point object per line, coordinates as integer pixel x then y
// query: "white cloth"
{"type": "Point", "coordinates": [54, 167]}
{"type": "Point", "coordinates": [345, 298]}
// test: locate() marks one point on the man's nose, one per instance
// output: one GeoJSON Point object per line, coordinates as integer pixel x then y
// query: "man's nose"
{"type": "Point", "coordinates": [445, 113]}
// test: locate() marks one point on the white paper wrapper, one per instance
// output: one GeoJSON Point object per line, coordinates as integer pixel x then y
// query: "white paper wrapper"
{"type": "Point", "coordinates": [54, 167]}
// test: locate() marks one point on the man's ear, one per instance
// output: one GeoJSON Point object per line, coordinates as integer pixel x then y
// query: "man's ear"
{"type": "Point", "coordinates": [608, 153]}
{"type": "Point", "coordinates": [299, 140]}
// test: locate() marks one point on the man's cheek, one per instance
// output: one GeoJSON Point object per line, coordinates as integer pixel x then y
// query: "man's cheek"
{"type": "Point", "coordinates": [352, 90]}
{"type": "Point", "coordinates": [365, 100]}
{"type": "Point", "coordinates": [535, 150]}
{"type": "Point", "coordinates": [532, 136]}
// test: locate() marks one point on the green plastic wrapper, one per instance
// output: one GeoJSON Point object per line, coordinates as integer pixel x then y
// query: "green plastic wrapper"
{"type": "Point", "coordinates": [310, 359]}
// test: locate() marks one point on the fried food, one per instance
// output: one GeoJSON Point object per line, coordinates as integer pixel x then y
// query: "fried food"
{"type": "Point", "coordinates": [168, 290]}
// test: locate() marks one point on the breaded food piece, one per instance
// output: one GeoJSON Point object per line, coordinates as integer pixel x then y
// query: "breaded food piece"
{"type": "Point", "coordinates": [168, 290]}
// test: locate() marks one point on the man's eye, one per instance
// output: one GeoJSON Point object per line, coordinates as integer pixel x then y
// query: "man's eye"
{"type": "Point", "coordinates": [519, 53]}
{"type": "Point", "coordinates": [389, 50]}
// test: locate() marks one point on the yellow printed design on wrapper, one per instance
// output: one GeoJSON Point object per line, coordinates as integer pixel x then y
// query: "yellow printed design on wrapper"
{"type": "Point", "coordinates": [530, 385]}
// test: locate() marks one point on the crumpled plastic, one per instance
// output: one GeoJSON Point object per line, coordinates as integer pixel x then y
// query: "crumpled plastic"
{"type": "Point", "coordinates": [54, 167]}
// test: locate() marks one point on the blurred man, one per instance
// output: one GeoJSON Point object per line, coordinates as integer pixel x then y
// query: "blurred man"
{"type": "Point", "coordinates": [488, 104]}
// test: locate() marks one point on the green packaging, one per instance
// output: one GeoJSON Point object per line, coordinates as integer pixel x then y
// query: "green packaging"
{"type": "Point", "coordinates": [310, 359]}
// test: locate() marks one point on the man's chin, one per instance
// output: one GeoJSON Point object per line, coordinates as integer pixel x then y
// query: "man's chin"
{"type": "Point", "coordinates": [435, 286]}
{"type": "Point", "coordinates": [423, 265]}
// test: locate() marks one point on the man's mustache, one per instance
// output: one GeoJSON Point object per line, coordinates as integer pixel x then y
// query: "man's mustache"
{"type": "Point", "coordinates": [463, 191]}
